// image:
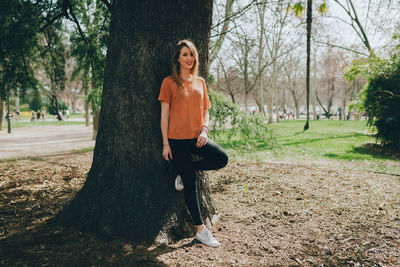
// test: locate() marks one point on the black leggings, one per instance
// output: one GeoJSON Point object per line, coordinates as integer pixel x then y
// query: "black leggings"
{"type": "Point", "coordinates": [213, 157]}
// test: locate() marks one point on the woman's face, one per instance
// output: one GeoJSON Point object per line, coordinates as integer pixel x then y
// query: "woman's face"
{"type": "Point", "coordinates": [186, 58]}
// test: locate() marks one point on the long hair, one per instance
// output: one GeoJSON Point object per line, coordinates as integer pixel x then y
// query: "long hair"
{"type": "Point", "coordinates": [175, 65]}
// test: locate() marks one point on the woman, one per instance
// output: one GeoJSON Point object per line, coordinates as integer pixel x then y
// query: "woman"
{"type": "Point", "coordinates": [184, 126]}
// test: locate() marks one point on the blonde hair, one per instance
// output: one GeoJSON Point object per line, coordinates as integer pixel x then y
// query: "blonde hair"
{"type": "Point", "coordinates": [175, 65]}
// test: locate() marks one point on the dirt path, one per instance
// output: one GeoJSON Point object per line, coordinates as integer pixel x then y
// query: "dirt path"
{"type": "Point", "coordinates": [280, 213]}
{"type": "Point", "coordinates": [44, 140]}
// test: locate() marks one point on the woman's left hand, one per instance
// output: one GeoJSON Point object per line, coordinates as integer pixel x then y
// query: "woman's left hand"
{"type": "Point", "coordinates": [202, 139]}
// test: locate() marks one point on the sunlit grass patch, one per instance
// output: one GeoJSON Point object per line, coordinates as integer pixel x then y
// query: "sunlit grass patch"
{"type": "Point", "coordinates": [330, 139]}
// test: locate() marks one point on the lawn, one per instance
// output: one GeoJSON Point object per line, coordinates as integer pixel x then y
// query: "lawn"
{"type": "Point", "coordinates": [325, 138]}
{"type": "Point", "coordinates": [20, 124]}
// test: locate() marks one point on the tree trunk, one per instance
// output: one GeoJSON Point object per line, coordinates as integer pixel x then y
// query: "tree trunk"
{"type": "Point", "coordinates": [309, 24]}
{"type": "Point", "coordinates": [270, 105]}
{"type": "Point", "coordinates": [314, 88]}
{"type": "Point", "coordinates": [87, 114]}
{"type": "Point", "coordinates": [295, 101]}
{"type": "Point", "coordinates": [2, 112]}
{"type": "Point", "coordinates": [8, 116]}
{"type": "Point", "coordinates": [73, 104]}
{"type": "Point", "coordinates": [246, 94]}
{"type": "Point", "coordinates": [96, 117]}
{"type": "Point", "coordinates": [276, 99]}
{"type": "Point", "coordinates": [128, 191]}
{"type": "Point", "coordinates": [17, 105]}
{"type": "Point", "coordinates": [232, 98]}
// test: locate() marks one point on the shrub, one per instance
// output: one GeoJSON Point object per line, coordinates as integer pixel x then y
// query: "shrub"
{"type": "Point", "coordinates": [227, 116]}
{"type": "Point", "coordinates": [382, 101]}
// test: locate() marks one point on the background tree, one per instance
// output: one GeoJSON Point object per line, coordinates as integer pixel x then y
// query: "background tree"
{"type": "Point", "coordinates": [293, 74]}
{"type": "Point", "coordinates": [19, 21]}
{"type": "Point", "coordinates": [89, 44]}
{"type": "Point", "coordinates": [53, 56]}
{"type": "Point", "coordinates": [127, 191]}
{"type": "Point", "coordinates": [229, 83]}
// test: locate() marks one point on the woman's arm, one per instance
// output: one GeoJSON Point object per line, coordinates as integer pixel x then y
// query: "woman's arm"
{"type": "Point", "coordinates": [206, 118]}
{"type": "Point", "coordinates": [164, 130]}
{"type": "Point", "coordinates": [203, 137]}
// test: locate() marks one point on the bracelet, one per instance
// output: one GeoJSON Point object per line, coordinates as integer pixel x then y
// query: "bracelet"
{"type": "Point", "coordinates": [204, 126]}
{"type": "Point", "coordinates": [166, 145]}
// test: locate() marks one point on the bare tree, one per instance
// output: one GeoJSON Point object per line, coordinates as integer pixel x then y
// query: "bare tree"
{"type": "Point", "coordinates": [274, 43]}
{"type": "Point", "coordinates": [333, 70]}
{"type": "Point", "coordinates": [230, 83]}
{"type": "Point", "coordinates": [243, 58]}
{"type": "Point", "coordinates": [293, 72]}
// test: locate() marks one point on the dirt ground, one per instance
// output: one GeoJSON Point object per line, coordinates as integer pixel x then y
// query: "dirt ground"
{"type": "Point", "coordinates": [281, 213]}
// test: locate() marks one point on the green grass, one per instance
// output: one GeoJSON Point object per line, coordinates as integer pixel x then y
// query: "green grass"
{"type": "Point", "coordinates": [19, 124]}
{"type": "Point", "coordinates": [325, 139]}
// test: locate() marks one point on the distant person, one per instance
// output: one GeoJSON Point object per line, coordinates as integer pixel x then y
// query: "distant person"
{"type": "Point", "coordinates": [67, 113]}
{"type": "Point", "coordinates": [38, 113]}
{"type": "Point", "coordinates": [43, 114]}
{"type": "Point", "coordinates": [184, 126]}
{"type": "Point", "coordinates": [33, 117]}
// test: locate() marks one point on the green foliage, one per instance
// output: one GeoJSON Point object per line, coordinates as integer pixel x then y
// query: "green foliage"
{"type": "Point", "coordinates": [249, 129]}
{"type": "Point", "coordinates": [62, 106]}
{"type": "Point", "coordinates": [94, 97]}
{"type": "Point", "coordinates": [89, 48]}
{"type": "Point", "coordinates": [358, 103]}
{"type": "Point", "coordinates": [53, 55]}
{"type": "Point", "coordinates": [19, 23]}
{"type": "Point", "coordinates": [382, 100]}
{"type": "Point", "coordinates": [36, 102]}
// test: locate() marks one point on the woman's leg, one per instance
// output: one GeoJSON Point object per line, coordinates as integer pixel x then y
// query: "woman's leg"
{"type": "Point", "coordinates": [181, 150]}
{"type": "Point", "coordinates": [213, 156]}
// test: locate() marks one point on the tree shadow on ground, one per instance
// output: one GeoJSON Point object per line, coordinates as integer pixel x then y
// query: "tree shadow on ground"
{"type": "Point", "coordinates": [374, 150]}
{"type": "Point", "coordinates": [378, 151]}
{"type": "Point", "coordinates": [49, 244]}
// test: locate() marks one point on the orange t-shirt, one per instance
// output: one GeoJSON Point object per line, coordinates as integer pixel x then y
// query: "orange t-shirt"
{"type": "Point", "coordinates": [186, 108]}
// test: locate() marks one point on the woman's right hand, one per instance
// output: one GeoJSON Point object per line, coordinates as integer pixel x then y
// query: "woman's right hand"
{"type": "Point", "coordinates": [167, 153]}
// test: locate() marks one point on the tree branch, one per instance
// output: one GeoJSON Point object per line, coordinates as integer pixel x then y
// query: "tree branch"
{"type": "Point", "coordinates": [75, 20]}
{"type": "Point", "coordinates": [108, 4]}
{"type": "Point", "coordinates": [63, 12]}
{"type": "Point", "coordinates": [341, 47]}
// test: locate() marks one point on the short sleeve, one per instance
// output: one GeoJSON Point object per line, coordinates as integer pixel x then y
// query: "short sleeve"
{"type": "Point", "coordinates": [206, 101]}
{"type": "Point", "coordinates": [165, 92]}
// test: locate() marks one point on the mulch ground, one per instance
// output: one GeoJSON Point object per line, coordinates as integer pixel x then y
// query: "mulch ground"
{"type": "Point", "coordinates": [282, 213]}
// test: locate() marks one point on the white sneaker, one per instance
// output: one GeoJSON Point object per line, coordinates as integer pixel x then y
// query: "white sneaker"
{"type": "Point", "coordinates": [178, 183]}
{"type": "Point", "coordinates": [207, 238]}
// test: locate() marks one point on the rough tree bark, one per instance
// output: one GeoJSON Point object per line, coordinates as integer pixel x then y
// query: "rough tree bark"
{"type": "Point", "coordinates": [128, 191]}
